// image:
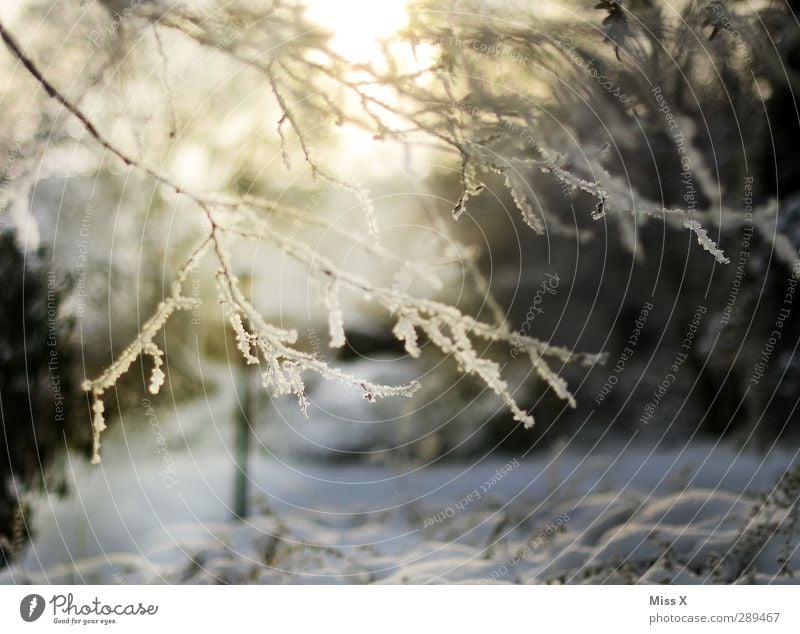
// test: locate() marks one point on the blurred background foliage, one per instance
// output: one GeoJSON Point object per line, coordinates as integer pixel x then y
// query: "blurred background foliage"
{"type": "Point", "coordinates": [447, 97]}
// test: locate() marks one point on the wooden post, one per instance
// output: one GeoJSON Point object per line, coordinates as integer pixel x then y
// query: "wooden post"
{"type": "Point", "coordinates": [242, 433]}
{"type": "Point", "coordinates": [243, 419]}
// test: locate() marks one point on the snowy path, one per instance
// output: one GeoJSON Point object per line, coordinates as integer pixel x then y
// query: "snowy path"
{"type": "Point", "coordinates": [158, 510]}
{"type": "Point", "coordinates": [550, 518]}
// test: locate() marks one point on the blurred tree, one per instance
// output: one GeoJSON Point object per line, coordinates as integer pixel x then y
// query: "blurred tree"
{"type": "Point", "coordinates": [37, 390]}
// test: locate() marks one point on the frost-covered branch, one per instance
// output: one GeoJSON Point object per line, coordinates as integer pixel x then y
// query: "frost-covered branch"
{"type": "Point", "coordinates": [505, 137]}
{"type": "Point", "coordinates": [142, 346]}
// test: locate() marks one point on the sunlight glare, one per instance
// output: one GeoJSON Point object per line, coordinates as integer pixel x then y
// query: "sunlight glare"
{"type": "Point", "coordinates": [359, 26]}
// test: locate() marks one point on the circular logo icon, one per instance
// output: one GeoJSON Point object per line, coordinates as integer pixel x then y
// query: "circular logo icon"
{"type": "Point", "coordinates": [31, 607]}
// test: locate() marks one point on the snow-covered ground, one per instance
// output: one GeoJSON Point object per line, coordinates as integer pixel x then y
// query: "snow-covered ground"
{"type": "Point", "coordinates": [158, 511]}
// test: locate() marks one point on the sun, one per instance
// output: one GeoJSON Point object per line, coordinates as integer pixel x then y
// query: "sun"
{"type": "Point", "coordinates": [364, 33]}
{"type": "Point", "coordinates": [359, 26]}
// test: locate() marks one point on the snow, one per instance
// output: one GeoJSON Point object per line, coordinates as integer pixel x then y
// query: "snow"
{"type": "Point", "coordinates": [562, 516]}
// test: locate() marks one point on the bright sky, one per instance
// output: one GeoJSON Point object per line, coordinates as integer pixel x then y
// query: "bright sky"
{"type": "Point", "coordinates": [359, 25]}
